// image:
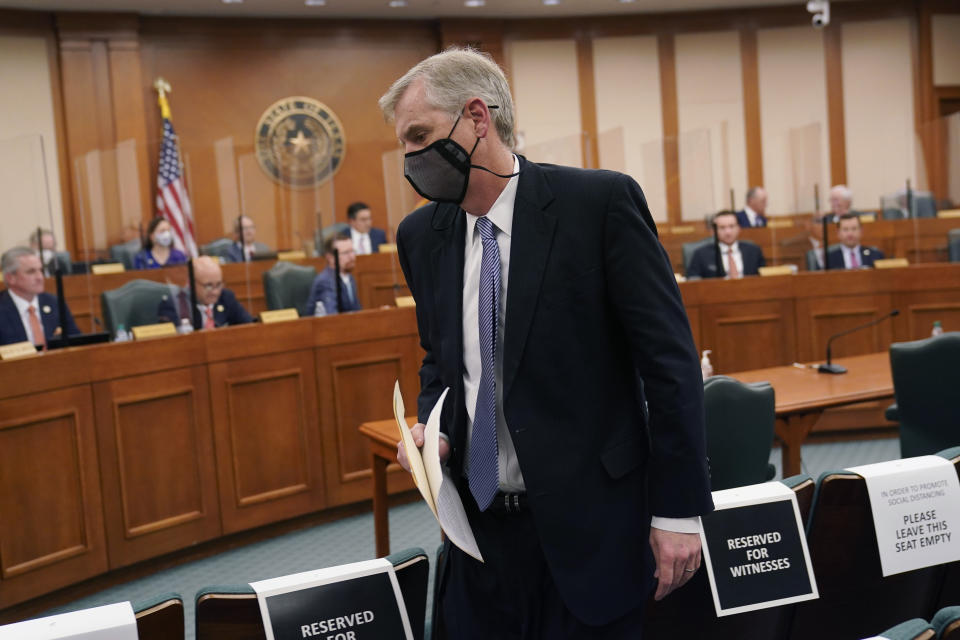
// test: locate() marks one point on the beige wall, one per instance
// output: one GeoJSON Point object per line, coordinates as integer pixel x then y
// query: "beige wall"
{"type": "Point", "coordinates": [878, 109]}
{"type": "Point", "coordinates": [547, 96]}
{"type": "Point", "coordinates": [629, 114]}
{"type": "Point", "coordinates": [26, 119]}
{"type": "Point", "coordinates": [712, 144]}
{"type": "Point", "coordinates": [946, 50]}
{"type": "Point", "coordinates": [793, 116]}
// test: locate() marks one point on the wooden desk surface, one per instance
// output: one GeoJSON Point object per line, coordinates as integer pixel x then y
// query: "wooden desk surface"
{"type": "Point", "coordinates": [384, 431]}
{"type": "Point", "coordinates": [868, 378]}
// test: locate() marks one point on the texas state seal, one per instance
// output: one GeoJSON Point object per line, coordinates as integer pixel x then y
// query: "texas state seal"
{"type": "Point", "coordinates": [300, 142]}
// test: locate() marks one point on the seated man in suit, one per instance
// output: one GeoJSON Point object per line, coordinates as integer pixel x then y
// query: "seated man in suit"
{"type": "Point", "coordinates": [236, 253]}
{"type": "Point", "coordinates": [754, 211]}
{"type": "Point", "coordinates": [216, 306]}
{"type": "Point", "coordinates": [26, 312]}
{"type": "Point", "coordinates": [324, 288]}
{"type": "Point", "coordinates": [850, 255]}
{"type": "Point", "coordinates": [739, 259]}
{"type": "Point", "coordinates": [46, 247]}
{"type": "Point", "coordinates": [841, 199]}
{"type": "Point", "coordinates": [366, 238]}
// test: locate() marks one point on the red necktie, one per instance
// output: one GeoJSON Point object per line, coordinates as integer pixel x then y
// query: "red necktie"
{"type": "Point", "coordinates": [854, 259]}
{"type": "Point", "coordinates": [732, 270]}
{"type": "Point", "coordinates": [208, 322]}
{"type": "Point", "coordinates": [39, 338]}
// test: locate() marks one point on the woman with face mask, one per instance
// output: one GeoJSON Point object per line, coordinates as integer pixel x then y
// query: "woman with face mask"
{"type": "Point", "coordinates": [158, 251]}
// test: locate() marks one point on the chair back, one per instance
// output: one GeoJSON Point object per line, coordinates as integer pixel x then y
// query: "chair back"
{"type": "Point", "coordinates": [924, 206]}
{"type": "Point", "coordinates": [287, 285]}
{"type": "Point", "coordinates": [160, 618]}
{"type": "Point", "coordinates": [740, 419]}
{"type": "Point", "coordinates": [320, 236]}
{"type": "Point", "coordinates": [947, 623]}
{"type": "Point", "coordinates": [953, 245]}
{"type": "Point", "coordinates": [916, 629]}
{"type": "Point", "coordinates": [232, 612]}
{"type": "Point", "coordinates": [892, 214]}
{"type": "Point", "coordinates": [219, 248]}
{"type": "Point", "coordinates": [125, 252]}
{"type": "Point", "coordinates": [855, 598]}
{"type": "Point", "coordinates": [690, 248]}
{"type": "Point", "coordinates": [63, 259]}
{"type": "Point", "coordinates": [689, 612]}
{"type": "Point", "coordinates": [925, 383]}
{"type": "Point", "coordinates": [132, 305]}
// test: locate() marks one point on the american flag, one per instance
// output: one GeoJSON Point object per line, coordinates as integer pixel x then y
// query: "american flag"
{"type": "Point", "coordinates": [173, 204]}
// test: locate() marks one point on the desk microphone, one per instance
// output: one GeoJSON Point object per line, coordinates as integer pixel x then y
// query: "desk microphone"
{"type": "Point", "coordinates": [836, 368]}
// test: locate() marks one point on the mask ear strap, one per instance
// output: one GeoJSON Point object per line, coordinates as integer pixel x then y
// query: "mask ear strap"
{"type": "Point", "coordinates": [499, 175]}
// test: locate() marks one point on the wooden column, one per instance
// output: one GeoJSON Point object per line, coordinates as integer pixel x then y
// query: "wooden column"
{"type": "Point", "coordinates": [751, 106]}
{"type": "Point", "coordinates": [588, 103]}
{"type": "Point", "coordinates": [671, 124]}
{"type": "Point", "coordinates": [836, 136]}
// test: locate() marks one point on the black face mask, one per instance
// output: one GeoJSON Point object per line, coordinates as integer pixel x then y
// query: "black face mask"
{"type": "Point", "coordinates": [440, 172]}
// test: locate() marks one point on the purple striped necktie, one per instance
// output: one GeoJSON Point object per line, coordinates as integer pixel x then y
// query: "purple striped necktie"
{"type": "Point", "coordinates": [484, 471]}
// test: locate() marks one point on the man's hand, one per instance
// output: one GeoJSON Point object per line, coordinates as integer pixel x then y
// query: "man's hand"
{"type": "Point", "coordinates": [417, 433]}
{"type": "Point", "coordinates": [677, 556]}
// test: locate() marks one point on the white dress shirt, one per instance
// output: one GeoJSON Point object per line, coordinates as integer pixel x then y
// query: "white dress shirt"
{"type": "Point", "coordinates": [501, 215]}
{"type": "Point", "coordinates": [361, 242]}
{"type": "Point", "coordinates": [751, 215]}
{"type": "Point", "coordinates": [23, 307]}
{"type": "Point", "coordinates": [848, 254]}
{"type": "Point", "coordinates": [726, 250]}
{"type": "Point", "coordinates": [347, 287]}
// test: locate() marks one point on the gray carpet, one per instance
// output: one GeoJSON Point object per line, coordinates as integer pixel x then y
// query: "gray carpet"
{"type": "Point", "coordinates": [351, 540]}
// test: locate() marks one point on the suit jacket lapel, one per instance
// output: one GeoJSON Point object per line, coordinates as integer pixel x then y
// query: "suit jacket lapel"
{"type": "Point", "coordinates": [11, 317]}
{"type": "Point", "coordinates": [530, 246]}
{"type": "Point", "coordinates": [450, 223]}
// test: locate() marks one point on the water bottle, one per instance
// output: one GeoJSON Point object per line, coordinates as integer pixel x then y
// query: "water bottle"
{"type": "Point", "coordinates": [319, 310]}
{"type": "Point", "coordinates": [706, 367]}
{"type": "Point", "coordinates": [185, 327]}
{"type": "Point", "coordinates": [122, 335]}
{"type": "Point", "coordinates": [937, 329]}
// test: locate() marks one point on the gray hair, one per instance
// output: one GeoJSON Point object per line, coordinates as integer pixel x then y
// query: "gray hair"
{"type": "Point", "coordinates": [843, 191]}
{"type": "Point", "coordinates": [450, 79]}
{"type": "Point", "coordinates": [752, 191]}
{"type": "Point", "coordinates": [10, 261]}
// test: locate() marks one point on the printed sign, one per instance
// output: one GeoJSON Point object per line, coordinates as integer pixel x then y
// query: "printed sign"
{"type": "Point", "coordinates": [755, 550]}
{"type": "Point", "coordinates": [916, 508]}
{"type": "Point", "coordinates": [359, 601]}
{"type": "Point", "coordinates": [112, 622]}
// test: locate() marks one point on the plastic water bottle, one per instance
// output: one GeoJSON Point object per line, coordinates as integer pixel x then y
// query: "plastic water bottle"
{"type": "Point", "coordinates": [122, 335]}
{"type": "Point", "coordinates": [937, 329]}
{"type": "Point", "coordinates": [706, 367]}
{"type": "Point", "coordinates": [185, 327]}
{"type": "Point", "coordinates": [319, 310]}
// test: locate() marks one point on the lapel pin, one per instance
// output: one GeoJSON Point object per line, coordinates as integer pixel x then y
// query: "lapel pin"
{"type": "Point", "coordinates": [866, 252]}
{"type": "Point", "coordinates": [46, 308]}
{"type": "Point", "coordinates": [219, 308]}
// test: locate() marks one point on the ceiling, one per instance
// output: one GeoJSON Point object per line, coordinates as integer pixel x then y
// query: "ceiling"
{"type": "Point", "coordinates": [419, 9]}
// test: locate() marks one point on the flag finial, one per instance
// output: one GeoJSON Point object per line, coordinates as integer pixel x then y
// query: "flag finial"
{"type": "Point", "coordinates": [162, 88]}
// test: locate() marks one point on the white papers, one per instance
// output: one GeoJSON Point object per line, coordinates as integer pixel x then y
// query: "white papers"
{"type": "Point", "coordinates": [111, 622]}
{"type": "Point", "coordinates": [433, 480]}
{"type": "Point", "coordinates": [916, 508]}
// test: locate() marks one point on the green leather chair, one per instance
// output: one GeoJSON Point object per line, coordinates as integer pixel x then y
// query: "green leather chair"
{"type": "Point", "coordinates": [812, 264]}
{"type": "Point", "coordinates": [287, 285]}
{"type": "Point", "coordinates": [924, 383]}
{"type": "Point", "coordinates": [953, 245]}
{"type": "Point", "coordinates": [320, 236]}
{"type": "Point", "coordinates": [740, 419]}
{"type": "Point", "coordinates": [916, 629]}
{"type": "Point", "coordinates": [218, 248]}
{"type": "Point", "coordinates": [232, 612]}
{"type": "Point", "coordinates": [160, 618]}
{"type": "Point", "coordinates": [690, 248]}
{"type": "Point", "coordinates": [132, 305]}
{"type": "Point", "coordinates": [124, 253]}
{"type": "Point", "coordinates": [947, 623]}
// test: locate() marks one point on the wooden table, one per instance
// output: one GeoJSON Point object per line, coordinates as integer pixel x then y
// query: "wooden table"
{"type": "Point", "coordinates": [802, 394]}
{"type": "Point", "coordinates": [383, 438]}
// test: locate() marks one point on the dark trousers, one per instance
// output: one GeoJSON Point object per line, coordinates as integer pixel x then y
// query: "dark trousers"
{"type": "Point", "coordinates": [512, 594]}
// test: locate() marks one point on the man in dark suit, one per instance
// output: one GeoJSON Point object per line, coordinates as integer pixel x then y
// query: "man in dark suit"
{"type": "Point", "coordinates": [754, 211]}
{"type": "Point", "coordinates": [26, 312]}
{"type": "Point", "coordinates": [366, 238]}
{"type": "Point", "coordinates": [738, 258]}
{"type": "Point", "coordinates": [216, 306]}
{"type": "Point", "coordinates": [324, 287]}
{"type": "Point", "coordinates": [246, 229]}
{"type": "Point", "coordinates": [850, 255]}
{"type": "Point", "coordinates": [547, 306]}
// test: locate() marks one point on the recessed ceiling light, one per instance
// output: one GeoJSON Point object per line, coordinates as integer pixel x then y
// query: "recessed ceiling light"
{"type": "Point", "coordinates": [551, 2]}
{"type": "Point", "coordinates": [398, 3]}
{"type": "Point", "coordinates": [474, 3]}
{"type": "Point", "coordinates": [627, 1]}
{"type": "Point", "coordinates": [315, 3]}
{"type": "Point", "coordinates": [232, 1]}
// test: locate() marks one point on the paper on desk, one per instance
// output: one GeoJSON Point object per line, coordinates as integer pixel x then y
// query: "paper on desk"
{"type": "Point", "coordinates": [444, 499]}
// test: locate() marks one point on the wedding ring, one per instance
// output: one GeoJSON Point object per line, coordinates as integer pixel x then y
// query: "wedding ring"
{"type": "Point", "coordinates": [690, 570]}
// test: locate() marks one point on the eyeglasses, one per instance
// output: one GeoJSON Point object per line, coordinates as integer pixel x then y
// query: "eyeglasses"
{"type": "Point", "coordinates": [210, 286]}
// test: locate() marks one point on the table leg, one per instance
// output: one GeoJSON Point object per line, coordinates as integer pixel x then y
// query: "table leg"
{"type": "Point", "coordinates": [792, 430]}
{"type": "Point", "coordinates": [381, 522]}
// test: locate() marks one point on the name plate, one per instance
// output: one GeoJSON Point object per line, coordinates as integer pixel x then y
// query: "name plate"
{"type": "Point", "coordinates": [291, 255]}
{"type": "Point", "coordinates": [387, 247]}
{"type": "Point", "coordinates": [755, 549]}
{"type": "Point", "coordinates": [109, 267]}
{"type": "Point", "coordinates": [112, 622]}
{"type": "Point", "coordinates": [359, 601]}
{"type": "Point", "coordinates": [867, 217]}
{"type": "Point", "coordinates": [17, 350]}
{"type": "Point", "coordinates": [686, 228]}
{"type": "Point", "coordinates": [278, 315]}
{"type": "Point", "coordinates": [159, 330]}
{"type": "Point", "coordinates": [949, 213]}
{"type": "Point", "coordinates": [916, 507]}
{"type": "Point", "coordinates": [405, 301]}
{"type": "Point", "coordinates": [779, 224]}
{"type": "Point", "coordinates": [891, 263]}
{"type": "Point", "coordinates": [779, 270]}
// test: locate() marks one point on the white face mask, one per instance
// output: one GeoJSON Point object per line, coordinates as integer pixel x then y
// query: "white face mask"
{"type": "Point", "coordinates": [164, 238]}
{"type": "Point", "coordinates": [47, 256]}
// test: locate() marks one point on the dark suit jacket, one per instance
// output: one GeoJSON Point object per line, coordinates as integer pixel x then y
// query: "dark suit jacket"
{"type": "Point", "coordinates": [324, 289]}
{"type": "Point", "coordinates": [744, 220]}
{"type": "Point", "coordinates": [11, 327]}
{"type": "Point", "coordinates": [867, 257]}
{"type": "Point", "coordinates": [594, 327]}
{"type": "Point", "coordinates": [234, 253]}
{"type": "Point", "coordinates": [703, 264]}
{"type": "Point", "coordinates": [226, 311]}
{"type": "Point", "coordinates": [377, 238]}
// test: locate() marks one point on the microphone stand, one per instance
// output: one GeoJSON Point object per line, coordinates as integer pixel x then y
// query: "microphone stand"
{"type": "Point", "coordinates": [826, 263]}
{"type": "Point", "coordinates": [243, 247]}
{"type": "Point", "coordinates": [336, 276]}
{"type": "Point", "coordinates": [194, 313]}
{"type": "Point", "coordinates": [836, 368]}
{"type": "Point", "coordinates": [721, 272]}
{"type": "Point", "coordinates": [61, 305]}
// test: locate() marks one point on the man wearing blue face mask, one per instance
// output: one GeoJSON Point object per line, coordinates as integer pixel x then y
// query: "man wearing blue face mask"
{"type": "Point", "coordinates": [549, 308]}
